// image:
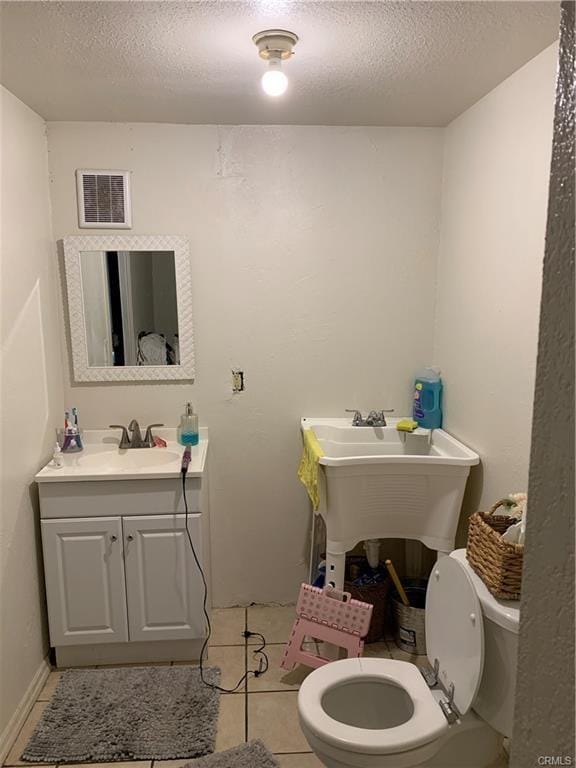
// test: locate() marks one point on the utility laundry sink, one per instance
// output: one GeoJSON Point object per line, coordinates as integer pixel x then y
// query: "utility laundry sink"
{"type": "Point", "coordinates": [371, 489]}
{"type": "Point", "coordinates": [345, 445]}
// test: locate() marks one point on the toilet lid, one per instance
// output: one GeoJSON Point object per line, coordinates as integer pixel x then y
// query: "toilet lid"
{"type": "Point", "coordinates": [455, 631]}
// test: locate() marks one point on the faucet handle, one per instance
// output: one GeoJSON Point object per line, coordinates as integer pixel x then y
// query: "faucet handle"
{"type": "Point", "coordinates": [378, 418]}
{"type": "Point", "coordinates": [124, 440]}
{"type": "Point", "coordinates": [357, 419]}
{"type": "Point", "coordinates": [149, 438]}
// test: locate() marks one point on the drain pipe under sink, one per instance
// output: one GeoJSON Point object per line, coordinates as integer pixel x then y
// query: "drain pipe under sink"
{"type": "Point", "coordinates": [372, 549]}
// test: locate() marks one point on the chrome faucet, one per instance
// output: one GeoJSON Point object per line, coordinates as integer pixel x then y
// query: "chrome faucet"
{"type": "Point", "coordinates": [374, 418]}
{"type": "Point", "coordinates": [378, 418]}
{"type": "Point", "coordinates": [136, 441]}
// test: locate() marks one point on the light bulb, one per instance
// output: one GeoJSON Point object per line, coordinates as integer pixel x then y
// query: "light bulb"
{"type": "Point", "coordinates": [274, 81]}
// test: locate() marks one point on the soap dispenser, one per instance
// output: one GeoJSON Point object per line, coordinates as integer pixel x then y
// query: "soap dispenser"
{"type": "Point", "coordinates": [188, 431]}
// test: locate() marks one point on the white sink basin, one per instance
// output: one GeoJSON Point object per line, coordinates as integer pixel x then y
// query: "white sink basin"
{"type": "Point", "coordinates": [344, 445]}
{"type": "Point", "coordinates": [371, 488]}
{"type": "Point", "coordinates": [141, 458]}
{"type": "Point", "coordinates": [102, 460]}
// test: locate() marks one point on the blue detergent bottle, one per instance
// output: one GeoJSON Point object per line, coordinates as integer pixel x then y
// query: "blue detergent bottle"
{"type": "Point", "coordinates": [427, 403]}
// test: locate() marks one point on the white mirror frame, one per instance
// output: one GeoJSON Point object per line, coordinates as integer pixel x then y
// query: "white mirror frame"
{"type": "Point", "coordinates": [73, 246]}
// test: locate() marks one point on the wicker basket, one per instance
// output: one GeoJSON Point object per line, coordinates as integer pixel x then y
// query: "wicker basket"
{"type": "Point", "coordinates": [497, 562]}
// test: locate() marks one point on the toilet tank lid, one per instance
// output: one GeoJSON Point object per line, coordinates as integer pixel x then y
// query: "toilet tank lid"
{"type": "Point", "coordinates": [505, 613]}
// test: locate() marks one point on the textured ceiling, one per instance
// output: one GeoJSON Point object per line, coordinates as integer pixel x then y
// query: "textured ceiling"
{"type": "Point", "coordinates": [357, 63]}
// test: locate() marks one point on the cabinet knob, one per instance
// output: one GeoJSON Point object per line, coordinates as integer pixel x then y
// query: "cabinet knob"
{"type": "Point", "coordinates": [129, 537]}
{"type": "Point", "coordinates": [113, 538]}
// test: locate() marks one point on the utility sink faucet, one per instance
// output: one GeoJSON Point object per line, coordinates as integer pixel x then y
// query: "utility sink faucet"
{"type": "Point", "coordinates": [374, 418]}
{"type": "Point", "coordinates": [136, 441]}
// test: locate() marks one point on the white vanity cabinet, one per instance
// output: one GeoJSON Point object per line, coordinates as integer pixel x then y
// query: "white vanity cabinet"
{"type": "Point", "coordinates": [84, 571]}
{"type": "Point", "coordinates": [164, 588]}
{"type": "Point", "coordinates": [115, 579]}
{"type": "Point", "coordinates": [122, 582]}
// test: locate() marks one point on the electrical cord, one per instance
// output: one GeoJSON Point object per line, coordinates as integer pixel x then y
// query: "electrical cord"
{"type": "Point", "coordinates": [263, 662]}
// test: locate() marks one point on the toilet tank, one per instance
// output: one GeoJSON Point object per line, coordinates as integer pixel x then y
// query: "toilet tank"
{"type": "Point", "coordinates": [494, 701]}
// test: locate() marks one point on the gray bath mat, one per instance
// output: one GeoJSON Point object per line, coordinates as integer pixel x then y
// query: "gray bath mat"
{"type": "Point", "coordinates": [130, 713]}
{"type": "Point", "coordinates": [252, 755]}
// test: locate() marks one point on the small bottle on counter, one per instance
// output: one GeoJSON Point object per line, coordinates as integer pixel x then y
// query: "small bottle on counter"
{"type": "Point", "coordinates": [57, 459]}
{"type": "Point", "coordinates": [188, 430]}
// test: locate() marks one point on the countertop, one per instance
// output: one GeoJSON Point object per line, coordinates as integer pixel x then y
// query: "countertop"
{"type": "Point", "coordinates": [101, 459]}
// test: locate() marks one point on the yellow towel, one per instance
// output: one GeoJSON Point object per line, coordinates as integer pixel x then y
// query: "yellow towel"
{"type": "Point", "coordinates": [308, 470]}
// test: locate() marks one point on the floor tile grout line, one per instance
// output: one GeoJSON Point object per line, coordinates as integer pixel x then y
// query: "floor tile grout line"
{"type": "Point", "coordinates": [279, 690]}
{"type": "Point", "coordinates": [228, 645]}
{"type": "Point", "coordinates": [275, 690]}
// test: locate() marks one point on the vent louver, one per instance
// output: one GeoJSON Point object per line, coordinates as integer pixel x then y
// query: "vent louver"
{"type": "Point", "coordinates": [104, 199]}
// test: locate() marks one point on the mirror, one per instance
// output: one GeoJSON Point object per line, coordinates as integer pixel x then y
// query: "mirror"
{"type": "Point", "coordinates": [130, 307]}
{"type": "Point", "coordinates": [127, 296]}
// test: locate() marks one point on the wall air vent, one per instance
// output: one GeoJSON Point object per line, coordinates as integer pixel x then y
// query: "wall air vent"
{"type": "Point", "coordinates": [104, 199]}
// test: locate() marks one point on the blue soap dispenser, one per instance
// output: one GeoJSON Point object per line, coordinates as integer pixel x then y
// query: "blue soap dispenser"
{"type": "Point", "coordinates": [427, 403]}
{"type": "Point", "coordinates": [188, 430]}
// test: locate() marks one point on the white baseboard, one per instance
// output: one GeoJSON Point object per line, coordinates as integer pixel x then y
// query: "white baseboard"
{"type": "Point", "coordinates": [10, 733]}
{"type": "Point", "coordinates": [128, 653]}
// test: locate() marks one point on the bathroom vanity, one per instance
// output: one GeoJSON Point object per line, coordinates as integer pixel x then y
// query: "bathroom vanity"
{"type": "Point", "coordinates": [121, 581]}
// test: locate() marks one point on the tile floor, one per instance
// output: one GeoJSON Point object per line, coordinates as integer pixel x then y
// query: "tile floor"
{"type": "Point", "coordinates": [264, 708]}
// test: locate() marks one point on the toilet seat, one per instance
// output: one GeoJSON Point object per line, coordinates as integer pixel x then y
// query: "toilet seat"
{"type": "Point", "coordinates": [425, 725]}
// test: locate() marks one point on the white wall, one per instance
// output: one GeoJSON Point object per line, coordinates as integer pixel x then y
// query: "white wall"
{"type": "Point", "coordinates": [313, 263]}
{"type": "Point", "coordinates": [31, 394]}
{"type": "Point", "coordinates": [494, 200]}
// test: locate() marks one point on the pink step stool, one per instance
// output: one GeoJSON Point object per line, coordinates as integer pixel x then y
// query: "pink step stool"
{"type": "Point", "coordinates": [329, 615]}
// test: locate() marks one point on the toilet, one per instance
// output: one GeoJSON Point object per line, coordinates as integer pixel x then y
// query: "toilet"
{"type": "Point", "coordinates": [383, 713]}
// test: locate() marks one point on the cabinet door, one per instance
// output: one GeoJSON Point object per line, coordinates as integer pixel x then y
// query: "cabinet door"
{"type": "Point", "coordinates": [163, 584]}
{"type": "Point", "coordinates": [85, 580]}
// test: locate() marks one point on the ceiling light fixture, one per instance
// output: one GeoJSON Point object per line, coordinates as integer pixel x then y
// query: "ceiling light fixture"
{"type": "Point", "coordinates": [275, 46]}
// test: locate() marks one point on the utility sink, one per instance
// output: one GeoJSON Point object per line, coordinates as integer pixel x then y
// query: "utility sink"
{"type": "Point", "coordinates": [344, 445]}
{"type": "Point", "coordinates": [371, 488]}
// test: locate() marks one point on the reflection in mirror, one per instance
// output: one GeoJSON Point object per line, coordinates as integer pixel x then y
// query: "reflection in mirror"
{"type": "Point", "coordinates": [130, 308]}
